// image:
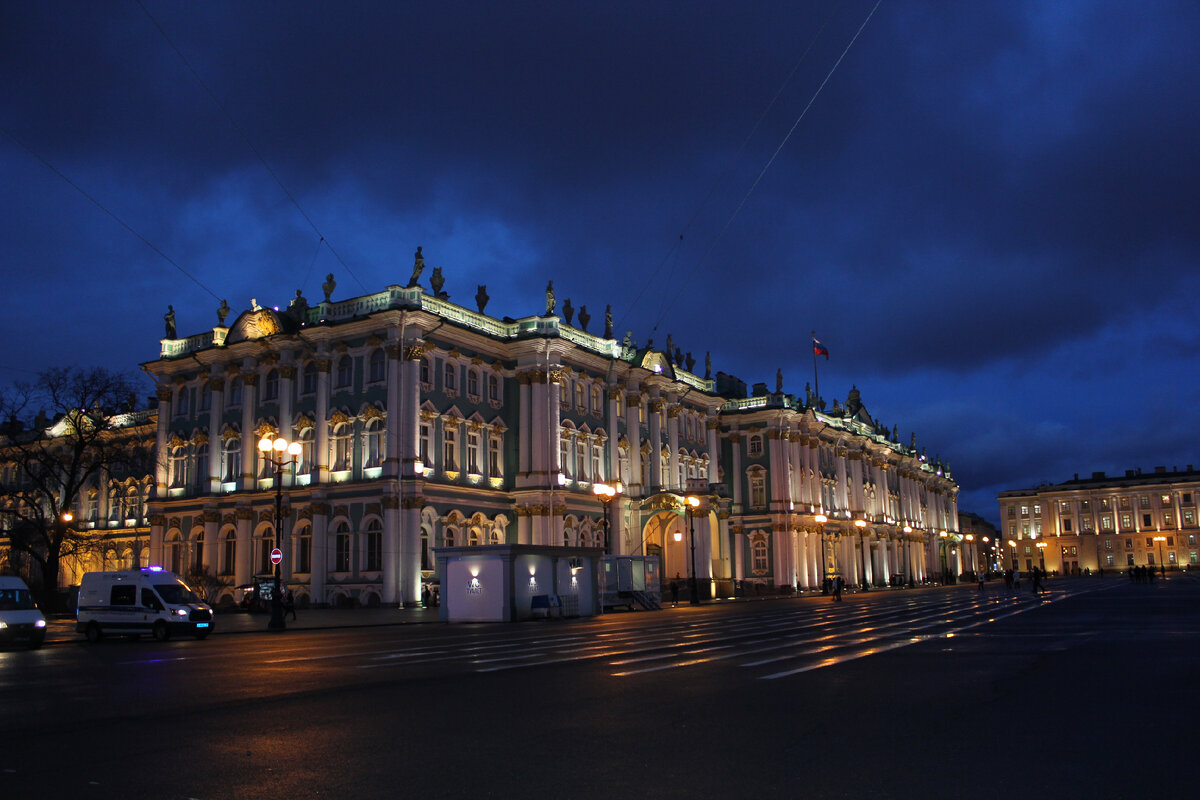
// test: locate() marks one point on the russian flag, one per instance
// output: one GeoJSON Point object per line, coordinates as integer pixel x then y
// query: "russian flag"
{"type": "Point", "coordinates": [820, 349]}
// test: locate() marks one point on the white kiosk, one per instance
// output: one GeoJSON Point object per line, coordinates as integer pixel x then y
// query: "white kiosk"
{"type": "Point", "coordinates": [512, 582]}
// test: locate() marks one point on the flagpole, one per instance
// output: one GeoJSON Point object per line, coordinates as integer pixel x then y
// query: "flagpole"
{"type": "Point", "coordinates": [816, 383]}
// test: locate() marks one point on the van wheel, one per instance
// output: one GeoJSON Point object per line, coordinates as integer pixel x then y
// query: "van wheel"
{"type": "Point", "coordinates": [92, 632]}
{"type": "Point", "coordinates": [161, 631]}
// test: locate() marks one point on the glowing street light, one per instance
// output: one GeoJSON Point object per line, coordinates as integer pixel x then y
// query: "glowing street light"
{"type": "Point", "coordinates": [692, 503]}
{"type": "Point", "coordinates": [1162, 565]}
{"type": "Point", "coordinates": [861, 524]}
{"type": "Point", "coordinates": [273, 451]}
{"type": "Point", "coordinates": [606, 492]}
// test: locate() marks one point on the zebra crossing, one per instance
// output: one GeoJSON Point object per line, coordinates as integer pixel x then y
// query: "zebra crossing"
{"type": "Point", "coordinates": [786, 639]}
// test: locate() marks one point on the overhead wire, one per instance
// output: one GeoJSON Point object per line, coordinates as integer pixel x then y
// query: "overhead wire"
{"type": "Point", "coordinates": [246, 138]}
{"type": "Point", "coordinates": [720, 234]}
{"type": "Point", "coordinates": [103, 208]}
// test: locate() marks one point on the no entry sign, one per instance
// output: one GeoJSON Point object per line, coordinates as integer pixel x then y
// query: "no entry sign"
{"type": "Point", "coordinates": [276, 556]}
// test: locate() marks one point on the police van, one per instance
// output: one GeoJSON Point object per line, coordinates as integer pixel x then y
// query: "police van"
{"type": "Point", "coordinates": [133, 602]}
{"type": "Point", "coordinates": [20, 619]}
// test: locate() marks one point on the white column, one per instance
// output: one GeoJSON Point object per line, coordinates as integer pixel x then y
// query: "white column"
{"type": "Point", "coordinates": [714, 451]}
{"type": "Point", "coordinates": [216, 408]}
{"type": "Point", "coordinates": [249, 444]}
{"type": "Point", "coordinates": [656, 479]}
{"type": "Point", "coordinates": [166, 407]}
{"type": "Point", "coordinates": [674, 481]}
{"type": "Point", "coordinates": [321, 446]}
{"type": "Point", "coordinates": [633, 431]}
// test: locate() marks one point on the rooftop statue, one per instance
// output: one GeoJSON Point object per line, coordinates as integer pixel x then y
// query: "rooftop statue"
{"type": "Point", "coordinates": [778, 381]}
{"type": "Point", "coordinates": [169, 319]}
{"type": "Point", "coordinates": [584, 318]}
{"type": "Point", "coordinates": [691, 363]}
{"type": "Point", "coordinates": [328, 287]}
{"type": "Point", "coordinates": [481, 297]}
{"type": "Point", "coordinates": [298, 308]}
{"type": "Point", "coordinates": [608, 329]}
{"type": "Point", "coordinates": [708, 366]}
{"type": "Point", "coordinates": [568, 310]}
{"type": "Point", "coordinates": [418, 268]}
{"type": "Point", "coordinates": [222, 313]}
{"type": "Point", "coordinates": [550, 302]}
{"type": "Point", "coordinates": [436, 281]}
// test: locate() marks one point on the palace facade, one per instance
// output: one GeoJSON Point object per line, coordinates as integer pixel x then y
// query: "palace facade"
{"type": "Point", "coordinates": [423, 424]}
{"type": "Point", "coordinates": [1085, 524]}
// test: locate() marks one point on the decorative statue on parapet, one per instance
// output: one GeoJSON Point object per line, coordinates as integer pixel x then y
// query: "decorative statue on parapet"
{"type": "Point", "coordinates": [550, 301]}
{"type": "Point", "coordinates": [418, 268]}
{"type": "Point", "coordinates": [708, 366]}
{"type": "Point", "coordinates": [222, 313]}
{"type": "Point", "coordinates": [298, 308]}
{"type": "Point", "coordinates": [328, 286]}
{"type": "Point", "coordinates": [853, 402]}
{"type": "Point", "coordinates": [670, 346]}
{"type": "Point", "coordinates": [808, 395]}
{"type": "Point", "coordinates": [778, 381]}
{"type": "Point", "coordinates": [608, 322]}
{"type": "Point", "coordinates": [691, 363]}
{"type": "Point", "coordinates": [584, 318]}
{"type": "Point", "coordinates": [627, 342]}
{"type": "Point", "coordinates": [437, 282]}
{"type": "Point", "coordinates": [568, 310]}
{"type": "Point", "coordinates": [169, 319]}
{"type": "Point", "coordinates": [678, 356]}
{"type": "Point", "coordinates": [481, 297]}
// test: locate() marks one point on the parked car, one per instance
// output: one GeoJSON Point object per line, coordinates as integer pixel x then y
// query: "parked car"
{"type": "Point", "coordinates": [21, 621]}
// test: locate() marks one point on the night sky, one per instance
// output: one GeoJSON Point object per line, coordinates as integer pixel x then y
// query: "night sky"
{"type": "Point", "coordinates": [988, 212]}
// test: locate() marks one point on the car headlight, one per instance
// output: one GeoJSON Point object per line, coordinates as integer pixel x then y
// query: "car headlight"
{"type": "Point", "coordinates": [181, 612]}
{"type": "Point", "coordinates": [41, 623]}
{"type": "Point", "coordinates": [3, 625]}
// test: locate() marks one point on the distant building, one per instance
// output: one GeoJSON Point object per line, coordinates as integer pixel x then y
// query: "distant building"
{"type": "Point", "coordinates": [1140, 519]}
{"type": "Point", "coordinates": [981, 542]}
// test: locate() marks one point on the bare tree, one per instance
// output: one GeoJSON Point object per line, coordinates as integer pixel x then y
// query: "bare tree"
{"type": "Point", "coordinates": [61, 433]}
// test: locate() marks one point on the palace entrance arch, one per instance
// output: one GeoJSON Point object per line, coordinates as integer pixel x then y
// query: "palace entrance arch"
{"type": "Point", "coordinates": [658, 537]}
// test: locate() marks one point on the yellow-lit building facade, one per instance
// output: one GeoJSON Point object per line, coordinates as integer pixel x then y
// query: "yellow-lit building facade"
{"type": "Point", "coordinates": [1104, 522]}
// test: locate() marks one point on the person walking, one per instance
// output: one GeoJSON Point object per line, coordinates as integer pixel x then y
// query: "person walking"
{"type": "Point", "coordinates": [981, 576]}
{"type": "Point", "coordinates": [837, 588]}
{"type": "Point", "coordinates": [674, 593]}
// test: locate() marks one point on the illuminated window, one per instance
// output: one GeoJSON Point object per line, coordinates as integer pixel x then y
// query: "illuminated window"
{"type": "Point", "coordinates": [1166, 499]}
{"type": "Point", "coordinates": [375, 443]}
{"type": "Point", "coordinates": [1124, 501]}
{"type": "Point", "coordinates": [579, 396]}
{"type": "Point", "coordinates": [1144, 501]}
{"type": "Point", "coordinates": [758, 556]}
{"type": "Point", "coordinates": [340, 448]}
{"type": "Point", "coordinates": [1106, 523]}
{"type": "Point", "coordinates": [1037, 509]}
{"type": "Point", "coordinates": [304, 463]}
{"type": "Point", "coordinates": [449, 447]}
{"type": "Point", "coordinates": [758, 490]}
{"type": "Point", "coordinates": [1126, 521]}
{"type": "Point", "coordinates": [755, 447]}
{"type": "Point", "coordinates": [473, 452]}
{"type": "Point", "coordinates": [425, 447]}
{"type": "Point", "coordinates": [1168, 520]}
{"type": "Point", "coordinates": [495, 469]}
{"type": "Point", "coordinates": [231, 459]}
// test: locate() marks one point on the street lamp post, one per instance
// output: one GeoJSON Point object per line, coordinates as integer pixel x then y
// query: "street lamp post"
{"type": "Point", "coordinates": [970, 537]}
{"type": "Point", "coordinates": [1041, 546]}
{"type": "Point", "coordinates": [861, 524]}
{"type": "Point", "coordinates": [1162, 565]}
{"type": "Point", "coordinates": [273, 451]}
{"type": "Point", "coordinates": [606, 492]}
{"type": "Point", "coordinates": [908, 565]}
{"type": "Point", "coordinates": [692, 503]}
{"type": "Point", "coordinates": [821, 520]}
{"type": "Point", "coordinates": [945, 566]}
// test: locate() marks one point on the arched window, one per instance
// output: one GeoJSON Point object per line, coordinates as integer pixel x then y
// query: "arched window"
{"type": "Point", "coordinates": [177, 463]}
{"type": "Point", "coordinates": [341, 548]}
{"type": "Point", "coordinates": [345, 372]}
{"type": "Point", "coordinates": [450, 379]}
{"type": "Point", "coordinates": [426, 561]}
{"type": "Point", "coordinates": [231, 459]}
{"type": "Point", "coordinates": [374, 543]}
{"type": "Point", "coordinates": [271, 386]}
{"type": "Point", "coordinates": [473, 383]}
{"type": "Point", "coordinates": [425, 379]}
{"type": "Point", "coordinates": [205, 397]}
{"type": "Point", "coordinates": [493, 389]}
{"type": "Point", "coordinates": [579, 396]}
{"type": "Point", "coordinates": [200, 476]}
{"type": "Point", "coordinates": [340, 448]}
{"type": "Point", "coordinates": [181, 406]}
{"type": "Point", "coordinates": [758, 556]}
{"type": "Point", "coordinates": [755, 446]}
{"type": "Point", "coordinates": [235, 393]}
{"type": "Point", "coordinates": [449, 446]}
{"type": "Point", "coordinates": [266, 543]}
{"type": "Point", "coordinates": [473, 537]}
{"type": "Point", "coordinates": [229, 553]}
{"type": "Point", "coordinates": [303, 546]}
{"type": "Point", "coordinates": [376, 367]}
{"type": "Point", "coordinates": [375, 443]}
{"type": "Point", "coordinates": [305, 464]}
{"type": "Point", "coordinates": [175, 553]}
{"type": "Point", "coordinates": [449, 536]}
{"type": "Point", "coordinates": [198, 552]}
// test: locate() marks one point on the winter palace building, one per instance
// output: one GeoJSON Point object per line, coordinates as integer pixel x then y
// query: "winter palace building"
{"type": "Point", "coordinates": [423, 424]}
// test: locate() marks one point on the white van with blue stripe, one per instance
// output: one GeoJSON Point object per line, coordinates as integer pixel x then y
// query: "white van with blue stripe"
{"type": "Point", "coordinates": [132, 602]}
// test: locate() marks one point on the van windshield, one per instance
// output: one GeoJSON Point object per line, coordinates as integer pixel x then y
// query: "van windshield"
{"type": "Point", "coordinates": [16, 600]}
{"type": "Point", "coordinates": [176, 593]}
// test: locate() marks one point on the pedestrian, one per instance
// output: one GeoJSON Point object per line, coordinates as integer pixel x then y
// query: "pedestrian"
{"type": "Point", "coordinates": [674, 593]}
{"type": "Point", "coordinates": [982, 576]}
{"type": "Point", "coordinates": [1008, 579]}
{"type": "Point", "coordinates": [289, 604]}
{"type": "Point", "coordinates": [1016, 579]}
{"type": "Point", "coordinates": [425, 595]}
{"type": "Point", "coordinates": [837, 588]}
